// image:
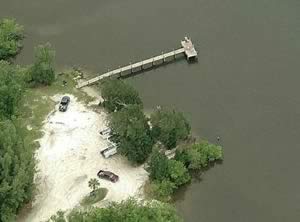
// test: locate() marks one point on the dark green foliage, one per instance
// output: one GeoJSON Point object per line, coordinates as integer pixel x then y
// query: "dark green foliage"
{"type": "Point", "coordinates": [42, 71]}
{"type": "Point", "coordinates": [132, 133]}
{"type": "Point", "coordinates": [11, 35]}
{"type": "Point", "coordinates": [158, 166]}
{"type": "Point", "coordinates": [16, 171]}
{"type": "Point", "coordinates": [162, 190]}
{"type": "Point", "coordinates": [166, 175]}
{"type": "Point", "coordinates": [117, 94]}
{"type": "Point", "coordinates": [128, 211]}
{"type": "Point", "coordinates": [178, 173]}
{"type": "Point", "coordinates": [199, 155]}
{"type": "Point", "coordinates": [11, 88]}
{"type": "Point", "coordinates": [169, 127]}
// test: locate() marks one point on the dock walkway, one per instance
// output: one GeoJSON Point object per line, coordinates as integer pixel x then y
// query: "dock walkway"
{"type": "Point", "coordinates": [187, 48]}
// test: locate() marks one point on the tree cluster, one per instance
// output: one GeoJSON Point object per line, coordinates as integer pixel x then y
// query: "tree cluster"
{"type": "Point", "coordinates": [126, 211]}
{"type": "Point", "coordinates": [132, 133]}
{"type": "Point", "coordinates": [169, 127]}
{"type": "Point", "coordinates": [17, 165]}
{"type": "Point", "coordinates": [198, 155]}
{"type": "Point", "coordinates": [11, 35]}
{"type": "Point", "coordinates": [16, 171]}
{"type": "Point", "coordinates": [166, 175]}
{"type": "Point", "coordinates": [117, 95]}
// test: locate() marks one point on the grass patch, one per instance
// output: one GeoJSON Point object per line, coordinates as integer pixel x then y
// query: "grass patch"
{"type": "Point", "coordinates": [94, 197]}
{"type": "Point", "coordinates": [36, 104]}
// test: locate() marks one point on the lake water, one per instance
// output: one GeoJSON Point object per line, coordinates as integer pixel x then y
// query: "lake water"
{"type": "Point", "coordinates": [244, 88]}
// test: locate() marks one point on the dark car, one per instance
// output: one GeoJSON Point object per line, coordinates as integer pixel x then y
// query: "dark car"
{"type": "Point", "coordinates": [63, 106]}
{"type": "Point", "coordinates": [108, 176]}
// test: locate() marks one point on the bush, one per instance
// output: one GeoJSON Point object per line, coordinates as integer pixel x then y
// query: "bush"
{"type": "Point", "coordinates": [162, 190]}
{"type": "Point", "coordinates": [42, 71]}
{"type": "Point", "coordinates": [169, 127]}
{"type": "Point", "coordinates": [199, 155]}
{"type": "Point", "coordinates": [11, 35]}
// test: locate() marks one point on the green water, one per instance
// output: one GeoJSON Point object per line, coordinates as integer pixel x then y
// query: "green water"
{"type": "Point", "coordinates": [245, 87]}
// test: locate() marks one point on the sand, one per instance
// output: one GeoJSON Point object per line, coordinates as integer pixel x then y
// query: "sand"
{"type": "Point", "coordinates": [69, 156]}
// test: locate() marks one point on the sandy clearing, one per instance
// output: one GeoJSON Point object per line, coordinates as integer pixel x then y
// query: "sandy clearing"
{"type": "Point", "coordinates": [69, 157]}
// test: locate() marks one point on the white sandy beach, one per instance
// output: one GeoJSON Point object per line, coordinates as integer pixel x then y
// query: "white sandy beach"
{"type": "Point", "coordinates": [69, 156]}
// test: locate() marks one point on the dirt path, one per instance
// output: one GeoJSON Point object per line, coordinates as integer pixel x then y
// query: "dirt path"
{"type": "Point", "coordinates": [69, 156]}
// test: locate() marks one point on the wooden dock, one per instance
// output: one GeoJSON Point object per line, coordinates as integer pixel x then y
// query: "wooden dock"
{"type": "Point", "coordinates": [187, 49]}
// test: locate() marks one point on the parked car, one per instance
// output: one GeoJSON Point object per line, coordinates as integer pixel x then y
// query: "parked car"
{"type": "Point", "coordinates": [102, 174]}
{"type": "Point", "coordinates": [63, 106]}
{"type": "Point", "coordinates": [105, 134]}
{"type": "Point", "coordinates": [109, 151]}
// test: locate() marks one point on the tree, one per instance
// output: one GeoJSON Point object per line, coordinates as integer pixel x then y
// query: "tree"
{"type": "Point", "coordinates": [16, 171]}
{"type": "Point", "coordinates": [11, 35]}
{"type": "Point", "coordinates": [169, 127]}
{"type": "Point", "coordinates": [158, 166]}
{"type": "Point", "coordinates": [128, 211]}
{"type": "Point", "coordinates": [11, 88]}
{"type": "Point", "coordinates": [94, 184]}
{"type": "Point", "coordinates": [42, 71]}
{"type": "Point", "coordinates": [178, 173]}
{"type": "Point", "coordinates": [131, 131]}
{"type": "Point", "coordinates": [117, 94]}
{"type": "Point", "coordinates": [199, 155]}
{"type": "Point", "coordinates": [162, 190]}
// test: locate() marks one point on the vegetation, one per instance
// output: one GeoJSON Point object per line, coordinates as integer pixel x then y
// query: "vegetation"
{"type": "Point", "coordinates": [94, 197]}
{"type": "Point", "coordinates": [11, 88]}
{"type": "Point", "coordinates": [16, 171]}
{"type": "Point", "coordinates": [169, 127]}
{"type": "Point", "coordinates": [127, 211]}
{"type": "Point", "coordinates": [166, 175]}
{"type": "Point", "coordinates": [42, 71]}
{"type": "Point", "coordinates": [131, 132]}
{"type": "Point", "coordinates": [11, 35]}
{"type": "Point", "coordinates": [117, 95]}
{"type": "Point", "coordinates": [94, 184]}
{"type": "Point", "coordinates": [199, 155]}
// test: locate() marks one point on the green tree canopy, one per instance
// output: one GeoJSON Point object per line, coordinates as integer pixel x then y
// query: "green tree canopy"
{"type": "Point", "coordinates": [11, 35]}
{"type": "Point", "coordinates": [42, 71]}
{"type": "Point", "coordinates": [169, 127]}
{"type": "Point", "coordinates": [128, 211]}
{"type": "Point", "coordinates": [199, 155]}
{"type": "Point", "coordinates": [158, 166]}
{"type": "Point", "coordinates": [165, 175]}
{"type": "Point", "coordinates": [16, 172]}
{"type": "Point", "coordinates": [131, 132]}
{"type": "Point", "coordinates": [11, 88]}
{"type": "Point", "coordinates": [117, 94]}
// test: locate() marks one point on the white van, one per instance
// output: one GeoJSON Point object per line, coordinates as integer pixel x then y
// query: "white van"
{"type": "Point", "coordinates": [109, 151]}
